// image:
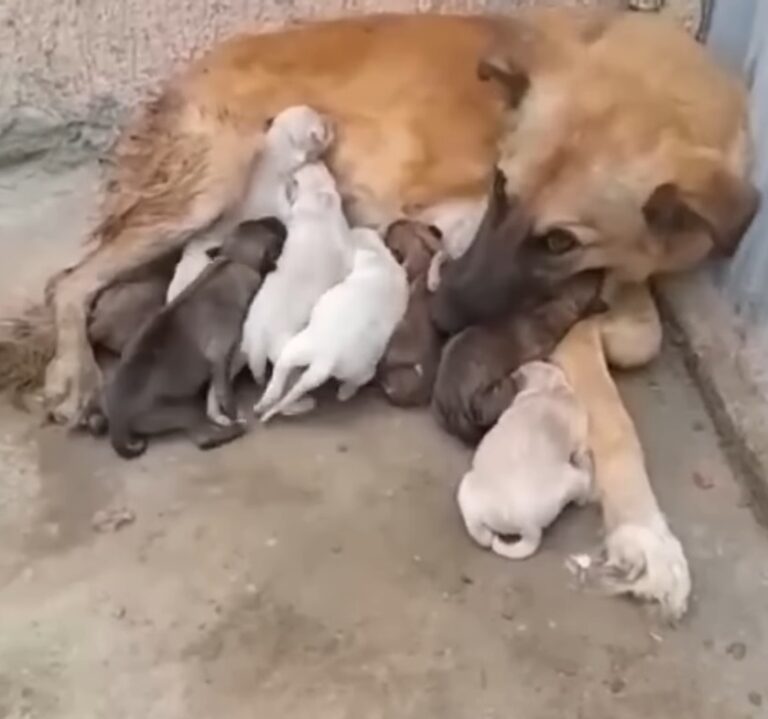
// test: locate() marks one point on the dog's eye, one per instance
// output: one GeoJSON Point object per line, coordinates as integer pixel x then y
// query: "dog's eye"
{"type": "Point", "coordinates": [559, 241]}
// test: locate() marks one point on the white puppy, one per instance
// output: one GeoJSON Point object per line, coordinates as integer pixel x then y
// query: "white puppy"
{"type": "Point", "coordinates": [317, 255]}
{"type": "Point", "coordinates": [532, 463]}
{"type": "Point", "coordinates": [348, 331]}
{"type": "Point", "coordinates": [296, 136]}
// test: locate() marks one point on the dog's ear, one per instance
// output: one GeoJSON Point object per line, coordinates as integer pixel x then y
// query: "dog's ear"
{"type": "Point", "coordinates": [506, 72]}
{"type": "Point", "coordinates": [722, 206]}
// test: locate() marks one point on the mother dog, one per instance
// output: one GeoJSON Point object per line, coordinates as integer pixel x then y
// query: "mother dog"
{"type": "Point", "coordinates": [622, 144]}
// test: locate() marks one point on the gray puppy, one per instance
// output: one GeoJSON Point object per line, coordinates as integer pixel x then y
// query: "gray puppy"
{"type": "Point", "coordinates": [157, 387]}
{"type": "Point", "coordinates": [474, 384]}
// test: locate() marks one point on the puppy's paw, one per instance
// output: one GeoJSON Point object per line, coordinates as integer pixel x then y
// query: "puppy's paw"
{"type": "Point", "coordinates": [214, 411]}
{"type": "Point", "coordinates": [647, 561]}
{"type": "Point", "coordinates": [433, 273]}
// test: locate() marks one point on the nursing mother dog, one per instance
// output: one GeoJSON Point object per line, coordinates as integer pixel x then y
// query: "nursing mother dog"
{"type": "Point", "coordinates": [623, 146]}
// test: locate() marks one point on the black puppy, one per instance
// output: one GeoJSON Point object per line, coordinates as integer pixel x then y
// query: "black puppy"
{"type": "Point", "coordinates": [158, 384]}
{"type": "Point", "coordinates": [474, 384]}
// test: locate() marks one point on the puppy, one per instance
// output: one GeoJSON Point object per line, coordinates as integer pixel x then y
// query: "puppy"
{"type": "Point", "coordinates": [157, 385]}
{"type": "Point", "coordinates": [317, 256]}
{"type": "Point", "coordinates": [532, 463]}
{"type": "Point", "coordinates": [294, 137]}
{"type": "Point", "coordinates": [119, 311]}
{"type": "Point", "coordinates": [407, 371]}
{"type": "Point", "coordinates": [473, 385]}
{"type": "Point", "coordinates": [348, 330]}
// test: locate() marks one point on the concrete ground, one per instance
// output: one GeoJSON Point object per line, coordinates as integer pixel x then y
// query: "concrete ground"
{"type": "Point", "coordinates": [318, 568]}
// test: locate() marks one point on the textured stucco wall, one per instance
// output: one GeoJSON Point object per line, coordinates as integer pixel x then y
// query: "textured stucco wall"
{"type": "Point", "coordinates": [69, 68]}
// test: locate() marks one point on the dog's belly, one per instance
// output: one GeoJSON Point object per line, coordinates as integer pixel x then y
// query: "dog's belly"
{"type": "Point", "coordinates": [414, 126]}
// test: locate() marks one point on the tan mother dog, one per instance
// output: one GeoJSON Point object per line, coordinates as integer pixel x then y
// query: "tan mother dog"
{"type": "Point", "coordinates": [623, 144]}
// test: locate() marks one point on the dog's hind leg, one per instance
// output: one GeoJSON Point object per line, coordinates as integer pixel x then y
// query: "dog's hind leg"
{"type": "Point", "coordinates": [178, 172]}
{"type": "Point", "coordinates": [294, 355]}
{"type": "Point", "coordinates": [315, 375]}
{"type": "Point", "coordinates": [472, 513]}
{"type": "Point", "coordinates": [221, 386]}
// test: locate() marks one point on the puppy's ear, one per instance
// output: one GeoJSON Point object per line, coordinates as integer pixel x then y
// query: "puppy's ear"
{"type": "Point", "coordinates": [722, 205]}
{"type": "Point", "coordinates": [503, 70]}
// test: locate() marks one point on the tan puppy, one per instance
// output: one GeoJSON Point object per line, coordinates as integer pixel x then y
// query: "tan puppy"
{"type": "Point", "coordinates": [407, 371]}
{"type": "Point", "coordinates": [609, 161]}
{"type": "Point", "coordinates": [534, 462]}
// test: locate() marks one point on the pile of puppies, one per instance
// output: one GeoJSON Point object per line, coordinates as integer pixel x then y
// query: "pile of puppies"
{"type": "Point", "coordinates": [292, 285]}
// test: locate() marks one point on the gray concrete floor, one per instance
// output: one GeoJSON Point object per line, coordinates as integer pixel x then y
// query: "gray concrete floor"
{"type": "Point", "coordinates": [318, 568]}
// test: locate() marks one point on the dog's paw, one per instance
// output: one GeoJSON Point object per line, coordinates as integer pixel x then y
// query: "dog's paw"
{"type": "Point", "coordinates": [70, 386]}
{"type": "Point", "coordinates": [647, 561]}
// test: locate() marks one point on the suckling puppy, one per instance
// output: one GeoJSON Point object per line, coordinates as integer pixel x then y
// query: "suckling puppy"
{"type": "Point", "coordinates": [533, 462]}
{"type": "Point", "coordinates": [473, 385]}
{"type": "Point", "coordinates": [348, 330]}
{"type": "Point", "coordinates": [407, 370]}
{"type": "Point", "coordinates": [295, 136]}
{"type": "Point", "coordinates": [317, 255]}
{"type": "Point", "coordinates": [158, 384]}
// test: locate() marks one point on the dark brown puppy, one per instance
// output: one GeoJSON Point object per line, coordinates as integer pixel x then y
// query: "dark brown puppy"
{"type": "Point", "coordinates": [408, 368]}
{"type": "Point", "coordinates": [158, 384]}
{"type": "Point", "coordinates": [474, 384]}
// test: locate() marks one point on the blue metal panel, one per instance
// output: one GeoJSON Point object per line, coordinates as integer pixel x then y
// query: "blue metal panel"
{"type": "Point", "coordinates": [739, 36]}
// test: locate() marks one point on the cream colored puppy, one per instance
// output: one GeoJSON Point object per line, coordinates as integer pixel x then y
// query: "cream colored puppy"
{"type": "Point", "coordinates": [532, 463]}
{"type": "Point", "coordinates": [295, 137]}
{"type": "Point", "coordinates": [317, 255]}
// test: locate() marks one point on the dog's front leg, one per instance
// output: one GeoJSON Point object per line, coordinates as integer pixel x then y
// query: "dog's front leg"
{"type": "Point", "coordinates": [644, 558]}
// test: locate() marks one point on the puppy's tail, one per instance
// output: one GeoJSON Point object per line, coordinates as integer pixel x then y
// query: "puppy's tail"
{"type": "Point", "coordinates": [521, 548]}
{"type": "Point", "coordinates": [121, 435]}
{"type": "Point", "coordinates": [27, 345]}
{"type": "Point", "coordinates": [124, 442]}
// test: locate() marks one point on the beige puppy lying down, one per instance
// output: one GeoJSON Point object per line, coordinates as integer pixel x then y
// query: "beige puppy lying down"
{"type": "Point", "coordinates": [532, 463]}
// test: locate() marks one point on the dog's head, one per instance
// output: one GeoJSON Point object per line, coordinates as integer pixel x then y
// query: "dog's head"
{"type": "Point", "coordinates": [540, 376]}
{"type": "Point", "coordinates": [312, 189]}
{"type": "Point", "coordinates": [299, 134]}
{"type": "Point", "coordinates": [256, 243]}
{"type": "Point", "coordinates": [413, 245]}
{"type": "Point", "coordinates": [601, 168]}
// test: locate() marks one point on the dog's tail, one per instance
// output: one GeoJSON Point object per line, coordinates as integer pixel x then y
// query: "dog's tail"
{"type": "Point", "coordinates": [27, 345]}
{"type": "Point", "coordinates": [521, 548]}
